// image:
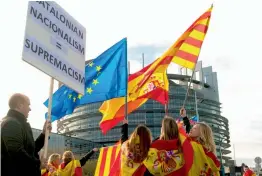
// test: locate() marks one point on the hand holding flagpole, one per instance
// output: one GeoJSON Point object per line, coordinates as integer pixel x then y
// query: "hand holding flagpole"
{"type": "Point", "coordinates": [49, 116]}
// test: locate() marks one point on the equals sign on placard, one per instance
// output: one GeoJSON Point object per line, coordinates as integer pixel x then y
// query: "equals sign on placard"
{"type": "Point", "coordinates": [58, 45]}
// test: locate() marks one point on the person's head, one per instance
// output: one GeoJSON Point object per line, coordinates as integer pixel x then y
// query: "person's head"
{"type": "Point", "coordinates": [54, 159]}
{"type": "Point", "coordinates": [203, 134]}
{"type": "Point", "coordinates": [169, 129]}
{"type": "Point", "coordinates": [246, 168]}
{"type": "Point", "coordinates": [20, 103]}
{"type": "Point", "coordinates": [68, 156]}
{"type": "Point", "coordinates": [139, 143]}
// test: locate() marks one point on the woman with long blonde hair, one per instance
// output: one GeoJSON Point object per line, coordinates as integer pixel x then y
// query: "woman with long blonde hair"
{"type": "Point", "coordinates": [71, 166]}
{"type": "Point", "coordinates": [52, 165]}
{"type": "Point", "coordinates": [202, 134]}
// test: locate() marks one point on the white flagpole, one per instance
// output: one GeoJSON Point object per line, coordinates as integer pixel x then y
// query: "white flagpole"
{"type": "Point", "coordinates": [49, 116]}
{"type": "Point", "coordinates": [126, 109]}
{"type": "Point", "coordinates": [196, 107]}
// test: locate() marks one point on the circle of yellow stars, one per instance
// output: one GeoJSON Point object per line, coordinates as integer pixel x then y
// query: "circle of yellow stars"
{"type": "Point", "coordinates": [89, 90]}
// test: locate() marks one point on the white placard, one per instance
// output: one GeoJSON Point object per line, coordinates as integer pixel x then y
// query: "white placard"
{"type": "Point", "coordinates": [55, 43]}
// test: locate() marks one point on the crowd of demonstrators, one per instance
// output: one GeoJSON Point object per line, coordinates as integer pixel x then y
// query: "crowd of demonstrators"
{"type": "Point", "coordinates": [168, 154]}
{"type": "Point", "coordinates": [174, 152]}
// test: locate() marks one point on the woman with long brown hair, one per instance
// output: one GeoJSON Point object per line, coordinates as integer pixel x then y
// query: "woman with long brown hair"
{"type": "Point", "coordinates": [133, 150]}
{"type": "Point", "coordinates": [166, 157]}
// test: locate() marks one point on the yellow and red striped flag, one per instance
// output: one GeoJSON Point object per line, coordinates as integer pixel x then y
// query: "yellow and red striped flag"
{"type": "Point", "coordinates": [187, 47]}
{"type": "Point", "coordinates": [106, 160]}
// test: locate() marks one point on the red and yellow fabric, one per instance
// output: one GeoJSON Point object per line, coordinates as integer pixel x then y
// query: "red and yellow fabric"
{"type": "Point", "coordinates": [165, 158]}
{"type": "Point", "coordinates": [44, 172]}
{"type": "Point", "coordinates": [73, 168]}
{"type": "Point", "coordinates": [124, 165]}
{"type": "Point", "coordinates": [204, 163]}
{"type": "Point", "coordinates": [187, 48]}
{"type": "Point", "coordinates": [249, 173]}
{"type": "Point", "coordinates": [52, 171]}
{"type": "Point", "coordinates": [149, 83]}
{"type": "Point", "coordinates": [106, 159]}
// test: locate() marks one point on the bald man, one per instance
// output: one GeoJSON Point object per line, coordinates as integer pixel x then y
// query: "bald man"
{"type": "Point", "coordinates": [19, 151]}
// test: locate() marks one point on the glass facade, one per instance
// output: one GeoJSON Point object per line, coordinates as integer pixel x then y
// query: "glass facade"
{"type": "Point", "coordinates": [84, 122]}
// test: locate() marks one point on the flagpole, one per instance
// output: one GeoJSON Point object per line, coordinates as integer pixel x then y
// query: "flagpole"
{"type": "Point", "coordinates": [143, 60]}
{"type": "Point", "coordinates": [143, 66]}
{"type": "Point", "coordinates": [234, 154]}
{"type": "Point", "coordinates": [126, 109]}
{"type": "Point", "coordinates": [49, 116]}
{"type": "Point", "coordinates": [196, 107]}
{"type": "Point", "coordinates": [166, 105]}
{"type": "Point", "coordinates": [193, 71]}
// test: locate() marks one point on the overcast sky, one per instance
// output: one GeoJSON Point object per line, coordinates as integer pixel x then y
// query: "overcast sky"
{"type": "Point", "coordinates": [232, 47]}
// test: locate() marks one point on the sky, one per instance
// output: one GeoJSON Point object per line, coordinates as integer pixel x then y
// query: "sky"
{"type": "Point", "coordinates": [232, 47]}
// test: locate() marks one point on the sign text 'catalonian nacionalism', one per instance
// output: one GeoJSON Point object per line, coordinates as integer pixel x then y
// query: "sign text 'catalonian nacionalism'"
{"type": "Point", "coordinates": [63, 28]}
{"type": "Point", "coordinates": [50, 24]}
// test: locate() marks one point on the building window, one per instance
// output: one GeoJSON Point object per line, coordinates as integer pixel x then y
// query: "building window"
{"type": "Point", "coordinates": [197, 75]}
{"type": "Point", "coordinates": [205, 79]}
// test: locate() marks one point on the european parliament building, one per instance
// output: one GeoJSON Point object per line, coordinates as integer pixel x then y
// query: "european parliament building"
{"type": "Point", "coordinates": [203, 100]}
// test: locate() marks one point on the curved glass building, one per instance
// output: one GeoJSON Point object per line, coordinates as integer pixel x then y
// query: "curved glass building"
{"type": "Point", "coordinates": [203, 100]}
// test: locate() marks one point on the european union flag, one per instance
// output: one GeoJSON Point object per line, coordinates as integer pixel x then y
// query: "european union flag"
{"type": "Point", "coordinates": [105, 78]}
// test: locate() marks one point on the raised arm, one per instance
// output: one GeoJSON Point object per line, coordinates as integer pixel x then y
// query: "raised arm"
{"type": "Point", "coordinates": [87, 157]}
{"type": "Point", "coordinates": [124, 131]}
{"type": "Point", "coordinates": [185, 120]}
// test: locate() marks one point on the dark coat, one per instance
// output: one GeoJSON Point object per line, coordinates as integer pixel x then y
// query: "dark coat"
{"type": "Point", "coordinates": [18, 149]}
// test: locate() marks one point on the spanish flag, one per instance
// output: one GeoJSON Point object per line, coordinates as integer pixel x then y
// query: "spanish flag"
{"type": "Point", "coordinates": [150, 82]}
{"type": "Point", "coordinates": [73, 168]}
{"type": "Point", "coordinates": [187, 48]}
{"type": "Point", "coordinates": [124, 165]}
{"type": "Point", "coordinates": [204, 162]}
{"type": "Point", "coordinates": [165, 157]}
{"type": "Point", "coordinates": [106, 160]}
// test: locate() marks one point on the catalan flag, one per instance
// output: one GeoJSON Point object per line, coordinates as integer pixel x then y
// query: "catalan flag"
{"type": "Point", "coordinates": [187, 48]}
{"type": "Point", "coordinates": [106, 160]}
{"type": "Point", "coordinates": [150, 82]}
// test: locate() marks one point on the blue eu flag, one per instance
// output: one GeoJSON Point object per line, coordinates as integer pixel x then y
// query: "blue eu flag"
{"type": "Point", "coordinates": [105, 78]}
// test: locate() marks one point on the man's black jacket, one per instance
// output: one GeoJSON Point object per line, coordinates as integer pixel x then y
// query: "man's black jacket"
{"type": "Point", "coordinates": [19, 151]}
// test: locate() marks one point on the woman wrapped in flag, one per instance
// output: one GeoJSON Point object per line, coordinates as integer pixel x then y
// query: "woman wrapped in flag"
{"type": "Point", "coordinates": [165, 155]}
{"type": "Point", "coordinates": [205, 161]}
{"type": "Point", "coordinates": [133, 151]}
{"type": "Point", "coordinates": [52, 165]}
{"type": "Point", "coordinates": [71, 166]}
